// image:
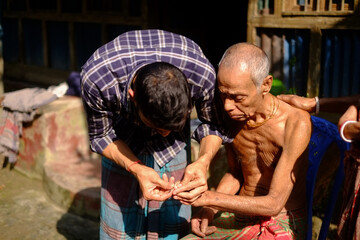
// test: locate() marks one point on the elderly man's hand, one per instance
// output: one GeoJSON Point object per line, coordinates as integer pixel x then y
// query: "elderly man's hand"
{"type": "Point", "coordinates": [193, 184]}
{"type": "Point", "coordinates": [152, 186]}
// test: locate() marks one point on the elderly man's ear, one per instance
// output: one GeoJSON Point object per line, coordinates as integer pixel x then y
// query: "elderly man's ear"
{"type": "Point", "coordinates": [266, 85]}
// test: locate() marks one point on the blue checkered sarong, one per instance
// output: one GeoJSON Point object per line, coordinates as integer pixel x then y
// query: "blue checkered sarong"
{"type": "Point", "coordinates": [125, 214]}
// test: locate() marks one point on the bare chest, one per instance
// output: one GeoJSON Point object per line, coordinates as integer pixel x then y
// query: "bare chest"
{"type": "Point", "coordinates": [259, 149]}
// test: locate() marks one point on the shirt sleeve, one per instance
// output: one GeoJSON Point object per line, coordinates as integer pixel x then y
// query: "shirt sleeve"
{"type": "Point", "coordinates": [99, 115]}
{"type": "Point", "coordinates": [207, 111]}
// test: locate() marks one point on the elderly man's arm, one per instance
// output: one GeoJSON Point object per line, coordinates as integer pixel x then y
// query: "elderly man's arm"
{"type": "Point", "coordinates": [285, 175]}
{"type": "Point", "coordinates": [229, 184]}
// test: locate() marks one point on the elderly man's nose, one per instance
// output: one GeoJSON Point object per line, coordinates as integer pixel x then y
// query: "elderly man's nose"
{"type": "Point", "coordinates": [228, 104]}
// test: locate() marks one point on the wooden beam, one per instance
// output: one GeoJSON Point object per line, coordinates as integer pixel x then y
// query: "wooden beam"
{"type": "Point", "coordinates": [300, 22]}
{"type": "Point", "coordinates": [35, 75]}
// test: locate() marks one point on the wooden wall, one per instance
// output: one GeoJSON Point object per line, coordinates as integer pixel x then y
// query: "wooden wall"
{"type": "Point", "coordinates": [300, 36]}
{"type": "Point", "coordinates": [47, 39]}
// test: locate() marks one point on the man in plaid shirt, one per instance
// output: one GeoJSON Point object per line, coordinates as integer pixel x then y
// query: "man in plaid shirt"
{"type": "Point", "coordinates": [138, 91]}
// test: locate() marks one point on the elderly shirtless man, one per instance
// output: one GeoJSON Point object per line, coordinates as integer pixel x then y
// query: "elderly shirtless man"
{"type": "Point", "coordinates": [263, 196]}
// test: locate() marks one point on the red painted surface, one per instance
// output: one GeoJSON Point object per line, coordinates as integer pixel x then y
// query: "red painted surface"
{"type": "Point", "coordinates": [56, 135]}
{"type": "Point", "coordinates": [31, 142]}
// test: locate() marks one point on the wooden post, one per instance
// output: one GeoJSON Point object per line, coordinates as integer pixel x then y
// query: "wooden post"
{"type": "Point", "coordinates": [314, 74]}
{"type": "Point", "coordinates": [251, 29]}
{"type": "Point", "coordinates": [277, 56]}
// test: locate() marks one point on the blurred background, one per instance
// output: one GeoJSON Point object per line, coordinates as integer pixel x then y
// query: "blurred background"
{"type": "Point", "coordinates": [313, 45]}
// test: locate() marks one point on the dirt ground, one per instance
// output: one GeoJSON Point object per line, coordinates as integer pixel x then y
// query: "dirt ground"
{"type": "Point", "coordinates": [26, 212]}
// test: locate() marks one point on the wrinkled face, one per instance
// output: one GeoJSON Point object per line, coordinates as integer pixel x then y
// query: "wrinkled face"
{"type": "Point", "coordinates": [238, 93]}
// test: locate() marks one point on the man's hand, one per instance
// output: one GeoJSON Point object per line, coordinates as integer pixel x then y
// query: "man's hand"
{"type": "Point", "coordinates": [152, 186]}
{"type": "Point", "coordinates": [200, 222]}
{"type": "Point", "coordinates": [193, 184]}
{"type": "Point", "coordinates": [307, 104]}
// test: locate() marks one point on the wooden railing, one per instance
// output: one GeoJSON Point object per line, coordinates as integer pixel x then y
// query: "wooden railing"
{"type": "Point", "coordinates": [309, 7]}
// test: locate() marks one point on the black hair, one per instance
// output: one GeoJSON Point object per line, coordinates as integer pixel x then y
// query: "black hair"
{"type": "Point", "coordinates": [162, 94]}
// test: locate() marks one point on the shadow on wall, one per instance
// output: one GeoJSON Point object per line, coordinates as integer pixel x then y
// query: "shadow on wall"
{"type": "Point", "coordinates": [80, 223]}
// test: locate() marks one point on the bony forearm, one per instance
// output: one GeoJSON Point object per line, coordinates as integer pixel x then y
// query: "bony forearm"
{"type": "Point", "coordinates": [219, 201]}
{"type": "Point", "coordinates": [209, 146]}
{"type": "Point", "coordinates": [245, 205]}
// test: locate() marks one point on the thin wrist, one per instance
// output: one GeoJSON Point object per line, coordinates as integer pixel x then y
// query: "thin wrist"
{"type": "Point", "coordinates": [207, 196]}
{"type": "Point", "coordinates": [203, 160]}
{"type": "Point", "coordinates": [131, 167]}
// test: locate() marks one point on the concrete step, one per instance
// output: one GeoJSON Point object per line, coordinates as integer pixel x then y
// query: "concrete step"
{"type": "Point", "coordinates": [75, 185]}
{"type": "Point", "coordinates": [54, 148]}
{"type": "Point", "coordinates": [58, 133]}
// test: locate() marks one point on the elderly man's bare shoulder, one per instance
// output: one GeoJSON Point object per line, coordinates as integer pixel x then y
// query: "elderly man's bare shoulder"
{"type": "Point", "coordinates": [296, 117]}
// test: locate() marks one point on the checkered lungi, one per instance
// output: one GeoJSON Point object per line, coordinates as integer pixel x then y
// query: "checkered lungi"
{"type": "Point", "coordinates": [125, 214]}
{"type": "Point", "coordinates": [291, 225]}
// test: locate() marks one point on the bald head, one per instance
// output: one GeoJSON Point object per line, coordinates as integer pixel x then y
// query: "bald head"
{"type": "Point", "coordinates": [249, 58]}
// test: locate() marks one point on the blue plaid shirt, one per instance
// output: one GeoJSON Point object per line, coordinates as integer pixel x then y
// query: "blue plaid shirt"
{"type": "Point", "coordinates": [106, 78]}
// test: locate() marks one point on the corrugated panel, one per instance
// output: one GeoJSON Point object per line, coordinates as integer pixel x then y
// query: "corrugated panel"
{"type": "Point", "coordinates": [11, 41]}
{"type": "Point", "coordinates": [59, 49]}
{"type": "Point", "coordinates": [33, 42]}
{"type": "Point", "coordinates": [288, 51]}
{"type": "Point", "coordinates": [340, 63]}
{"type": "Point", "coordinates": [87, 40]}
